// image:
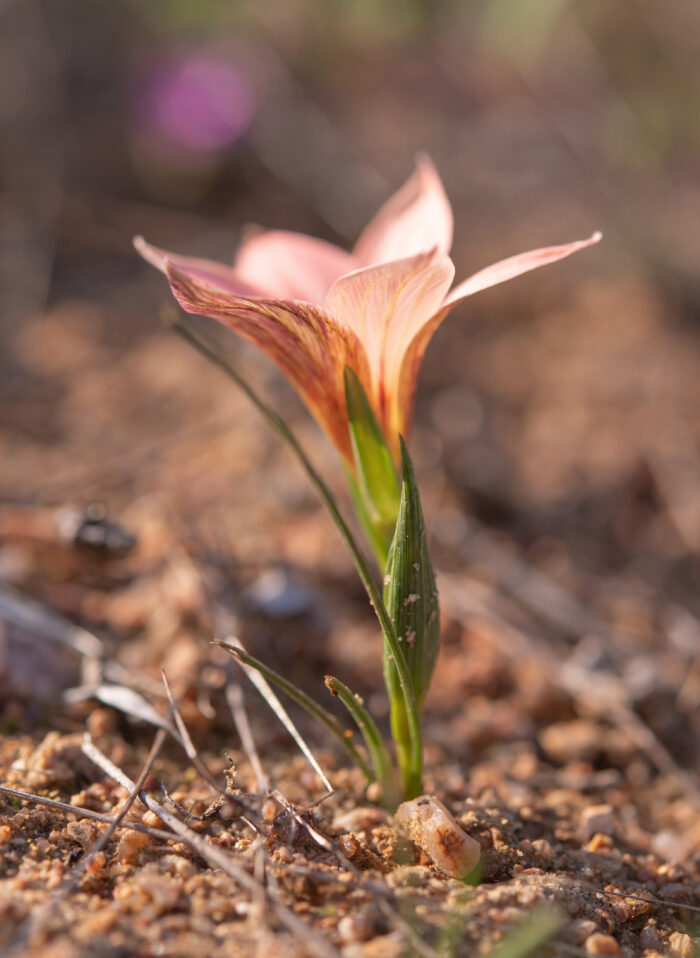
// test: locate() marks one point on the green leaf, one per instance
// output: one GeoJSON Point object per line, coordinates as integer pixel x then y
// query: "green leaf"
{"type": "Point", "coordinates": [373, 739]}
{"type": "Point", "coordinates": [530, 935]}
{"type": "Point", "coordinates": [377, 482]}
{"type": "Point", "coordinates": [410, 593]}
{"type": "Point", "coordinates": [305, 701]}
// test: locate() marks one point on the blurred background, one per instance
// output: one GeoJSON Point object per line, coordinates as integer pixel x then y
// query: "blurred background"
{"type": "Point", "coordinates": [557, 415]}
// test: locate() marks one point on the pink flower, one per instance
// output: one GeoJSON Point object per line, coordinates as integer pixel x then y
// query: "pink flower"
{"type": "Point", "coordinates": [315, 309]}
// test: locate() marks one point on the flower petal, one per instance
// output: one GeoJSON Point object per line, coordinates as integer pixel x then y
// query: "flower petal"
{"type": "Point", "coordinates": [287, 265]}
{"type": "Point", "coordinates": [207, 271]}
{"type": "Point", "coordinates": [304, 340]}
{"type": "Point", "coordinates": [515, 265]}
{"type": "Point", "coordinates": [414, 220]}
{"type": "Point", "coordinates": [405, 383]}
{"type": "Point", "coordinates": [386, 306]}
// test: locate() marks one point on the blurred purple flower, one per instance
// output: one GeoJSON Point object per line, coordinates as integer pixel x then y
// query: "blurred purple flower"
{"type": "Point", "coordinates": [201, 104]}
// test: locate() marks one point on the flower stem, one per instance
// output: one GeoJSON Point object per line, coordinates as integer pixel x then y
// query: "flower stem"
{"type": "Point", "coordinates": [411, 772]}
{"type": "Point", "coordinates": [411, 766]}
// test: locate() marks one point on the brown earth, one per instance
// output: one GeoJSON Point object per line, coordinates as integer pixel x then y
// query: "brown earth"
{"type": "Point", "coordinates": [556, 442]}
{"type": "Point", "coordinates": [562, 727]}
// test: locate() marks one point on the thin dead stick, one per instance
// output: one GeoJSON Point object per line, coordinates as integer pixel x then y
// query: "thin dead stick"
{"type": "Point", "coordinates": [231, 797]}
{"type": "Point", "coordinates": [235, 702]}
{"type": "Point", "coordinates": [325, 843]}
{"type": "Point", "coordinates": [215, 856]}
{"type": "Point", "coordinates": [130, 702]}
{"type": "Point", "coordinates": [263, 686]}
{"type": "Point", "coordinates": [258, 853]}
{"type": "Point", "coordinates": [234, 693]}
{"type": "Point", "coordinates": [39, 919]}
{"type": "Point", "coordinates": [83, 812]}
{"type": "Point", "coordinates": [114, 671]}
{"type": "Point", "coordinates": [186, 740]}
{"type": "Point", "coordinates": [124, 699]}
{"type": "Point", "coordinates": [651, 900]}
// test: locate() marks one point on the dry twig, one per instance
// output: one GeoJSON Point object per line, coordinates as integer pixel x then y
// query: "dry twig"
{"type": "Point", "coordinates": [36, 925]}
{"type": "Point", "coordinates": [215, 856]}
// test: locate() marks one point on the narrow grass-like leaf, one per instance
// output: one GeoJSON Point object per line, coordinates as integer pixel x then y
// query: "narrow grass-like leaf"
{"type": "Point", "coordinates": [263, 686]}
{"type": "Point", "coordinates": [525, 938]}
{"type": "Point", "coordinates": [531, 934]}
{"type": "Point", "coordinates": [321, 715]}
{"type": "Point", "coordinates": [381, 762]}
{"type": "Point", "coordinates": [412, 748]}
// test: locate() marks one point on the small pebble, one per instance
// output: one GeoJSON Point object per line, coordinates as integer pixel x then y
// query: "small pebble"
{"type": "Point", "coordinates": [55, 876]}
{"type": "Point", "coordinates": [130, 844]}
{"type": "Point", "coordinates": [602, 945]}
{"type": "Point", "coordinates": [680, 944]}
{"type": "Point", "coordinates": [163, 892]}
{"type": "Point", "coordinates": [383, 946]}
{"type": "Point", "coordinates": [432, 828]}
{"type": "Point", "coordinates": [349, 846]}
{"type": "Point", "coordinates": [670, 845]}
{"type": "Point", "coordinates": [359, 819]}
{"type": "Point", "coordinates": [283, 854]}
{"type": "Point", "coordinates": [101, 722]}
{"type": "Point", "coordinates": [575, 740]}
{"type": "Point", "coordinates": [97, 865]}
{"type": "Point", "coordinates": [278, 596]}
{"type": "Point", "coordinates": [649, 938]}
{"type": "Point", "coordinates": [599, 843]}
{"type": "Point", "coordinates": [42, 846]}
{"type": "Point", "coordinates": [596, 820]}
{"type": "Point", "coordinates": [360, 926]}
{"type": "Point", "coordinates": [178, 866]}
{"type": "Point", "coordinates": [374, 792]}
{"type": "Point", "coordinates": [578, 930]}
{"type": "Point", "coordinates": [83, 832]}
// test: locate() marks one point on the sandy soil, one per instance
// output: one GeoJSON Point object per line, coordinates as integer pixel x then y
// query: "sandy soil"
{"type": "Point", "coordinates": [562, 731]}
